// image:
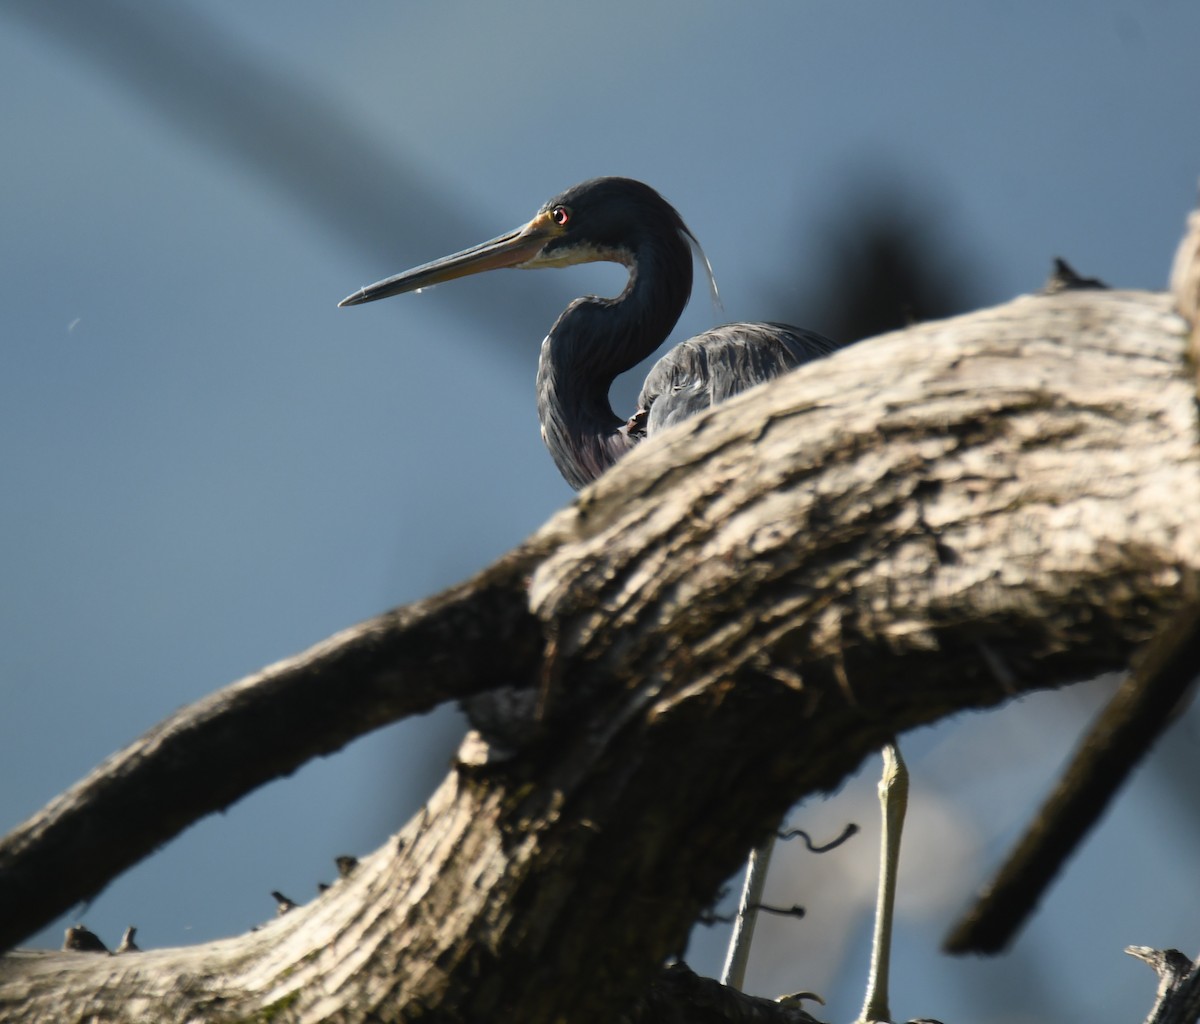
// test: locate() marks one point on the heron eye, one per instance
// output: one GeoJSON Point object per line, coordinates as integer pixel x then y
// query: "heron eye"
{"type": "Point", "coordinates": [560, 215]}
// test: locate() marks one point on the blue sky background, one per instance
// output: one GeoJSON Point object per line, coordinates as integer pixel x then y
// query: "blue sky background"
{"type": "Point", "coordinates": [206, 466]}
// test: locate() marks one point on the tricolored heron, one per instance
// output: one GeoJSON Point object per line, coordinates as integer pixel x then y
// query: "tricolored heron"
{"type": "Point", "coordinates": [621, 221]}
{"type": "Point", "coordinates": [624, 221]}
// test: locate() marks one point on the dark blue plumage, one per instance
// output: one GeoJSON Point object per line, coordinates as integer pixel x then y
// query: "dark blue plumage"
{"type": "Point", "coordinates": [720, 363]}
{"type": "Point", "coordinates": [595, 339]}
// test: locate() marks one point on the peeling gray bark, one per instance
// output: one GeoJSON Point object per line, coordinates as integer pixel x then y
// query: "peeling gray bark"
{"type": "Point", "coordinates": [734, 617]}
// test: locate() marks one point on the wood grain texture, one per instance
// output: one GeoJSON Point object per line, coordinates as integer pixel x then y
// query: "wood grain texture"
{"type": "Point", "coordinates": [735, 616]}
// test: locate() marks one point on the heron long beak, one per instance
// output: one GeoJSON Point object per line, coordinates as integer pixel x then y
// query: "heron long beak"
{"type": "Point", "coordinates": [510, 250]}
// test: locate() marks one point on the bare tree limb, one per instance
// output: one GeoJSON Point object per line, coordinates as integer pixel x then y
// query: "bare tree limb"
{"type": "Point", "coordinates": [1120, 737]}
{"type": "Point", "coordinates": [678, 996]}
{"type": "Point", "coordinates": [1185, 283]}
{"type": "Point", "coordinates": [206, 756]}
{"type": "Point", "coordinates": [1124, 731]}
{"type": "Point", "coordinates": [1178, 997]}
{"type": "Point", "coordinates": [733, 617]}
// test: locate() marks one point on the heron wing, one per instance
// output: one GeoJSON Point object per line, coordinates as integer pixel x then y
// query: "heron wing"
{"type": "Point", "coordinates": [718, 364]}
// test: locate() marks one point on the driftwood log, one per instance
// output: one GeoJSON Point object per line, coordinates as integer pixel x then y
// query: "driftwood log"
{"type": "Point", "coordinates": [734, 617]}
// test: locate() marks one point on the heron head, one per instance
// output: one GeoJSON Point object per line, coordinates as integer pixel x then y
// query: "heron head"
{"type": "Point", "coordinates": [604, 219]}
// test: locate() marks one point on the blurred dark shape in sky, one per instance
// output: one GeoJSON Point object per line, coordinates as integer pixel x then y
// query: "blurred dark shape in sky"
{"type": "Point", "coordinates": [235, 105]}
{"type": "Point", "coordinates": [889, 259]}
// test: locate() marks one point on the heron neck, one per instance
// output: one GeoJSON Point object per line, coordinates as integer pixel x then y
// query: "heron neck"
{"type": "Point", "coordinates": [590, 344]}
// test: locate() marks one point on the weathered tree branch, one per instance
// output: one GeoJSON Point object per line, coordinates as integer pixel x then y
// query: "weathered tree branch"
{"type": "Point", "coordinates": [732, 618]}
{"type": "Point", "coordinates": [1120, 737]}
{"type": "Point", "coordinates": [401, 663]}
{"type": "Point", "coordinates": [1178, 998]}
{"type": "Point", "coordinates": [1122, 734]}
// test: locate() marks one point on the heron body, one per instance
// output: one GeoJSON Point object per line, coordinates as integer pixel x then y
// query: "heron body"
{"type": "Point", "coordinates": [595, 339]}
